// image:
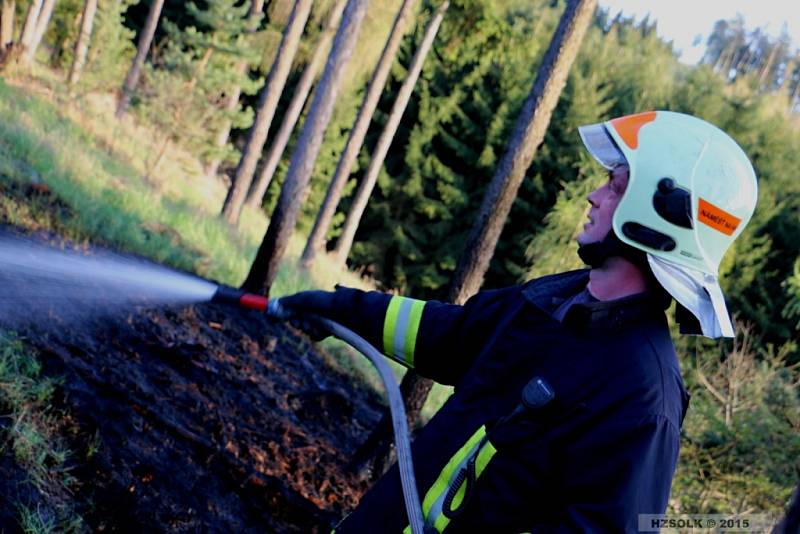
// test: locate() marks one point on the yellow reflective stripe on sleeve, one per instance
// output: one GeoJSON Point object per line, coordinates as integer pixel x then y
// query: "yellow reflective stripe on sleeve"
{"type": "Point", "coordinates": [400, 328]}
{"type": "Point", "coordinates": [389, 324]}
{"type": "Point", "coordinates": [415, 318]}
{"type": "Point", "coordinates": [434, 498]}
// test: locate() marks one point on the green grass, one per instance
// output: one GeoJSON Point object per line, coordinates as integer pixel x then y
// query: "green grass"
{"type": "Point", "coordinates": [33, 437]}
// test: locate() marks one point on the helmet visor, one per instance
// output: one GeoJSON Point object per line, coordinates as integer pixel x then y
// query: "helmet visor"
{"type": "Point", "coordinates": [601, 146]}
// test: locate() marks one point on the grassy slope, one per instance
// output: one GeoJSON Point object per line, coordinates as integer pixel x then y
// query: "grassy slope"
{"type": "Point", "coordinates": [69, 168]}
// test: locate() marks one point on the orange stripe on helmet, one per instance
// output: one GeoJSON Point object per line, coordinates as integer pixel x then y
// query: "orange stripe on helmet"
{"type": "Point", "coordinates": [717, 218]}
{"type": "Point", "coordinates": [628, 127]}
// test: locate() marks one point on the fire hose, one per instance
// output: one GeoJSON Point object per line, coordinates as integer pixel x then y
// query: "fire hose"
{"type": "Point", "coordinates": [273, 309]}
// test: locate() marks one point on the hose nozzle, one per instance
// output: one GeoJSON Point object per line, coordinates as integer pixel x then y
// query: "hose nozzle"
{"type": "Point", "coordinates": [237, 297]}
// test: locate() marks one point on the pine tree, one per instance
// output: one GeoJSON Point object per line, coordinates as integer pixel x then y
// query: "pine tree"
{"type": "Point", "coordinates": [444, 153]}
{"type": "Point", "coordinates": [301, 91]}
{"type": "Point", "coordinates": [105, 63]}
{"type": "Point", "coordinates": [31, 21]}
{"type": "Point", "coordinates": [265, 111]}
{"type": "Point", "coordinates": [38, 33]}
{"type": "Point", "coordinates": [232, 93]}
{"type": "Point", "coordinates": [284, 217]}
{"type": "Point", "coordinates": [7, 25]}
{"type": "Point", "coordinates": [222, 29]}
{"type": "Point", "coordinates": [316, 240]}
{"type": "Point", "coordinates": [464, 115]}
{"type": "Point", "coordinates": [368, 183]}
{"type": "Point", "coordinates": [182, 94]}
{"type": "Point", "coordinates": [142, 48]}
{"type": "Point", "coordinates": [82, 44]}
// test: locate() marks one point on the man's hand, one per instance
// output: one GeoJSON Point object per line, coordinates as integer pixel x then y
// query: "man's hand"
{"type": "Point", "coordinates": [294, 307]}
{"type": "Point", "coordinates": [315, 302]}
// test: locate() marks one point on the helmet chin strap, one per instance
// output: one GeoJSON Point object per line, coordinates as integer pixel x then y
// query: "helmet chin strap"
{"type": "Point", "coordinates": [596, 254]}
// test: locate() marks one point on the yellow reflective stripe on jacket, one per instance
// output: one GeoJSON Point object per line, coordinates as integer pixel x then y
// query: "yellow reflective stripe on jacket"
{"type": "Point", "coordinates": [432, 504]}
{"type": "Point", "coordinates": [400, 328]}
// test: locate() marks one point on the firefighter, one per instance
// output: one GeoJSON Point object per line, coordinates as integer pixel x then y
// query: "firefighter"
{"type": "Point", "coordinates": [568, 398]}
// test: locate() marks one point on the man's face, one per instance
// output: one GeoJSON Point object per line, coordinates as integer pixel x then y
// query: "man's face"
{"type": "Point", "coordinates": [604, 201]}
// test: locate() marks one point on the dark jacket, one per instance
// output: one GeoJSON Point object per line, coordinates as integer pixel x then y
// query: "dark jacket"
{"type": "Point", "coordinates": [600, 453]}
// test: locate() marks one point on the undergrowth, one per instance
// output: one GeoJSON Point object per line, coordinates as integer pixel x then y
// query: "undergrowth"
{"type": "Point", "coordinates": [31, 433]}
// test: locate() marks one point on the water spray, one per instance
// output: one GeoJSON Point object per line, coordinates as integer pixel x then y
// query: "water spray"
{"type": "Point", "coordinates": [40, 281]}
{"type": "Point", "coordinates": [236, 297]}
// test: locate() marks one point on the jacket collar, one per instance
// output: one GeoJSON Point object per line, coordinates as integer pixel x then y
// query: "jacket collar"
{"type": "Point", "coordinates": [548, 292]}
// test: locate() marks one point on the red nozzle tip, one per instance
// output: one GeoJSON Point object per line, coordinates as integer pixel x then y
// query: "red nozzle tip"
{"type": "Point", "coordinates": [254, 302]}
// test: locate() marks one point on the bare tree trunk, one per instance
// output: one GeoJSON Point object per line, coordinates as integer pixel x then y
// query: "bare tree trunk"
{"type": "Point", "coordinates": [29, 28]}
{"type": "Point", "coordinates": [281, 224]}
{"type": "Point", "coordinates": [259, 188]}
{"type": "Point", "coordinates": [316, 240]}
{"type": "Point", "coordinates": [82, 45]}
{"type": "Point", "coordinates": [528, 134]}
{"type": "Point", "coordinates": [376, 453]}
{"type": "Point", "coordinates": [787, 76]}
{"type": "Point", "coordinates": [232, 99]}
{"type": "Point", "coordinates": [766, 69]}
{"type": "Point", "coordinates": [143, 46]}
{"type": "Point", "coordinates": [41, 27]}
{"type": "Point", "coordinates": [7, 24]}
{"type": "Point", "coordinates": [364, 191]}
{"type": "Point", "coordinates": [267, 103]}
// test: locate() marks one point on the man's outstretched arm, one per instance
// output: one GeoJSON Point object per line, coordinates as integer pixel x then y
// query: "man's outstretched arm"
{"type": "Point", "coordinates": [429, 336]}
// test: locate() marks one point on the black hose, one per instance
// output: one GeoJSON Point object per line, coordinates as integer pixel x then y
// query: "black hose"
{"type": "Point", "coordinates": [396, 406]}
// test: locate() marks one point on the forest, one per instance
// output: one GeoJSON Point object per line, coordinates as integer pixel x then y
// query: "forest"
{"type": "Point", "coordinates": [283, 145]}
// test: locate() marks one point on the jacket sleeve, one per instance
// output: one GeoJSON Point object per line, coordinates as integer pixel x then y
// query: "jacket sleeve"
{"type": "Point", "coordinates": [438, 340]}
{"type": "Point", "coordinates": [615, 475]}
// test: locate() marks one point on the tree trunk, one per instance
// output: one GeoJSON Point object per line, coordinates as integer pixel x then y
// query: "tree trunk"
{"type": "Point", "coordinates": [232, 100]}
{"type": "Point", "coordinates": [766, 69]}
{"type": "Point", "coordinates": [376, 453]}
{"type": "Point", "coordinates": [143, 46]}
{"type": "Point", "coordinates": [41, 27]}
{"type": "Point", "coordinates": [259, 188]}
{"type": "Point", "coordinates": [82, 45]}
{"type": "Point", "coordinates": [7, 24]}
{"type": "Point", "coordinates": [281, 224]}
{"type": "Point", "coordinates": [345, 241]}
{"type": "Point", "coordinates": [528, 134]}
{"type": "Point", "coordinates": [316, 240]}
{"type": "Point", "coordinates": [29, 28]}
{"type": "Point", "coordinates": [267, 103]}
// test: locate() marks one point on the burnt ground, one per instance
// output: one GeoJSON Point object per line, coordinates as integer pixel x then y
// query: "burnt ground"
{"type": "Point", "coordinates": [205, 419]}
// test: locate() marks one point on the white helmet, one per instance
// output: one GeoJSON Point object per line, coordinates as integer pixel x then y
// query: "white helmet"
{"type": "Point", "coordinates": [691, 191]}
